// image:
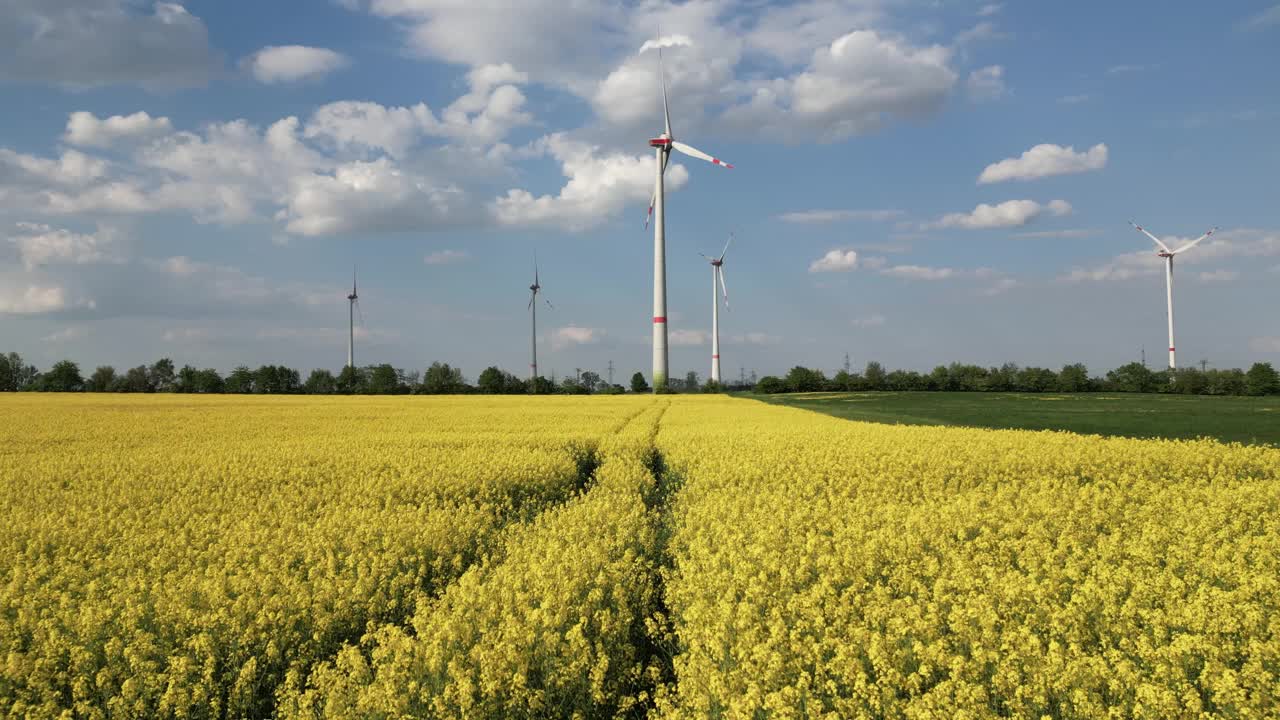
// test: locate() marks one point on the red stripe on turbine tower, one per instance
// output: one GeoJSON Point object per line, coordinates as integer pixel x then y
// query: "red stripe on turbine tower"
{"type": "Point", "coordinates": [715, 357]}
{"type": "Point", "coordinates": [659, 320]}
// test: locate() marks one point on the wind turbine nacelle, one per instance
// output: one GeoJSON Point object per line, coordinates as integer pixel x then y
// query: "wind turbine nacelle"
{"type": "Point", "coordinates": [660, 142]}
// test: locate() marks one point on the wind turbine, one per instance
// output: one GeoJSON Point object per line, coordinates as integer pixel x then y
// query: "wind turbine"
{"type": "Point", "coordinates": [717, 274]}
{"type": "Point", "coordinates": [533, 320]}
{"type": "Point", "coordinates": [663, 145]}
{"type": "Point", "coordinates": [353, 304]}
{"type": "Point", "coordinates": [1168, 254]}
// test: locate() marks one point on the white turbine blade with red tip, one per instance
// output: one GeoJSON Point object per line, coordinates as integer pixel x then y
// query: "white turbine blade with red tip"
{"type": "Point", "coordinates": [695, 152]}
{"type": "Point", "coordinates": [1142, 230]}
{"type": "Point", "coordinates": [1192, 244]}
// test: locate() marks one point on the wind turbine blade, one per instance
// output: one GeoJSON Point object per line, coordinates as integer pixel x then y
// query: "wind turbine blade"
{"type": "Point", "coordinates": [531, 297]}
{"type": "Point", "coordinates": [359, 313]}
{"type": "Point", "coordinates": [535, 267]}
{"type": "Point", "coordinates": [706, 257]}
{"type": "Point", "coordinates": [548, 302]}
{"type": "Point", "coordinates": [666, 111]}
{"type": "Point", "coordinates": [1192, 244]}
{"type": "Point", "coordinates": [653, 198]}
{"type": "Point", "coordinates": [723, 289]}
{"type": "Point", "coordinates": [726, 247]}
{"type": "Point", "coordinates": [1142, 230]}
{"type": "Point", "coordinates": [695, 152]}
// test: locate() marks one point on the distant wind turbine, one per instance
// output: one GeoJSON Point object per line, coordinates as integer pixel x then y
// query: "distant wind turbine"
{"type": "Point", "coordinates": [533, 320]}
{"type": "Point", "coordinates": [717, 274]}
{"type": "Point", "coordinates": [353, 306]}
{"type": "Point", "coordinates": [1168, 254]}
{"type": "Point", "coordinates": [663, 145]}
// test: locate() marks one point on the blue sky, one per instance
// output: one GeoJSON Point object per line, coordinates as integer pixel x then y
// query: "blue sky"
{"type": "Point", "coordinates": [196, 181]}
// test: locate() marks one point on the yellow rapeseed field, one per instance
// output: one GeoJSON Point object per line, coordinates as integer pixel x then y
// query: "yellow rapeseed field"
{"type": "Point", "coordinates": [675, 557]}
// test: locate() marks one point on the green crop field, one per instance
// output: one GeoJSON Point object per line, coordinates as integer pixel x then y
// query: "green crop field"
{"type": "Point", "coordinates": [1230, 419]}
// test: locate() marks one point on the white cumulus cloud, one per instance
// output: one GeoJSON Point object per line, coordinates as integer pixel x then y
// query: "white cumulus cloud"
{"type": "Point", "coordinates": [290, 63]}
{"type": "Point", "coordinates": [599, 186]}
{"type": "Point", "coordinates": [86, 129]}
{"type": "Point", "coordinates": [574, 335]}
{"type": "Point", "coordinates": [1045, 160]}
{"type": "Point", "coordinates": [1011, 213]}
{"type": "Point", "coordinates": [835, 261]}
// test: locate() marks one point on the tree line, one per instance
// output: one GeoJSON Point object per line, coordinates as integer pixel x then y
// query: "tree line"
{"type": "Point", "coordinates": [384, 379]}
{"type": "Point", "coordinates": [1260, 379]}
{"type": "Point", "coordinates": [444, 379]}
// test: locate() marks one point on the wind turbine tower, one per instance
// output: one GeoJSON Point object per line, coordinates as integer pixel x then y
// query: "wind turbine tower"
{"type": "Point", "coordinates": [353, 301]}
{"type": "Point", "coordinates": [1168, 256]}
{"type": "Point", "coordinates": [663, 145]}
{"type": "Point", "coordinates": [533, 321]}
{"type": "Point", "coordinates": [717, 275]}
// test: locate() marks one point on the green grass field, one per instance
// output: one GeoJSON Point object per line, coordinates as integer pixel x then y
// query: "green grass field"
{"type": "Point", "coordinates": [1230, 419]}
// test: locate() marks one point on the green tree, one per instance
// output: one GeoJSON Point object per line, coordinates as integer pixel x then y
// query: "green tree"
{"type": "Point", "coordinates": [905, 380]}
{"type": "Point", "coordinates": [441, 379]}
{"type": "Point", "coordinates": [1134, 377]}
{"type": "Point", "coordinates": [162, 375]}
{"type": "Point", "coordinates": [770, 384]}
{"type": "Point", "coordinates": [320, 382]}
{"type": "Point", "coordinates": [384, 380]}
{"type": "Point", "coordinates": [491, 381]}
{"type": "Point", "coordinates": [639, 384]}
{"type": "Point", "coordinates": [1034, 379]}
{"type": "Point", "coordinates": [186, 382]}
{"type": "Point", "coordinates": [1190, 381]}
{"type": "Point", "coordinates": [1226, 382]}
{"type": "Point", "coordinates": [208, 381]}
{"type": "Point", "coordinates": [16, 374]}
{"type": "Point", "coordinates": [541, 386]}
{"type": "Point", "coordinates": [1003, 378]}
{"type": "Point", "coordinates": [1262, 379]}
{"type": "Point", "coordinates": [240, 380]}
{"type": "Point", "coordinates": [691, 381]}
{"type": "Point", "coordinates": [350, 380]}
{"type": "Point", "coordinates": [873, 377]}
{"type": "Point", "coordinates": [64, 376]}
{"type": "Point", "coordinates": [136, 380]}
{"type": "Point", "coordinates": [802, 379]}
{"type": "Point", "coordinates": [591, 380]}
{"type": "Point", "coordinates": [102, 379]}
{"type": "Point", "coordinates": [1074, 378]}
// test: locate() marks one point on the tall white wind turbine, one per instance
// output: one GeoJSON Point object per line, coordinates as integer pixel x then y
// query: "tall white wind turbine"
{"type": "Point", "coordinates": [717, 276]}
{"type": "Point", "coordinates": [353, 304]}
{"type": "Point", "coordinates": [663, 145]}
{"type": "Point", "coordinates": [533, 321]}
{"type": "Point", "coordinates": [1168, 255]}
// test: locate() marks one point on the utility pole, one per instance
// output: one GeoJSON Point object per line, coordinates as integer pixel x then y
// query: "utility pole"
{"type": "Point", "coordinates": [611, 373]}
{"type": "Point", "coordinates": [753, 376]}
{"type": "Point", "coordinates": [1204, 365]}
{"type": "Point", "coordinates": [846, 363]}
{"type": "Point", "coordinates": [1144, 356]}
{"type": "Point", "coordinates": [742, 375]}
{"type": "Point", "coordinates": [577, 375]}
